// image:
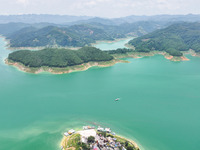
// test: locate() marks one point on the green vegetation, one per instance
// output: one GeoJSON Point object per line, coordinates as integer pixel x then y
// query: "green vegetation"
{"type": "Point", "coordinates": [74, 141]}
{"type": "Point", "coordinates": [91, 139]}
{"type": "Point", "coordinates": [128, 145]}
{"type": "Point", "coordinates": [73, 36]}
{"type": "Point", "coordinates": [52, 57]}
{"type": "Point", "coordinates": [120, 51]}
{"type": "Point", "coordinates": [104, 134]}
{"type": "Point", "coordinates": [173, 39]}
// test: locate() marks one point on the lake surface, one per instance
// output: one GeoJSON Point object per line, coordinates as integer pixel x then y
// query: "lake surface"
{"type": "Point", "coordinates": [159, 106]}
{"type": "Point", "coordinates": [112, 45]}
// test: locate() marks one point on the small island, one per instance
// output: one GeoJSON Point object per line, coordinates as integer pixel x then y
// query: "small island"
{"type": "Point", "coordinates": [96, 139]}
{"type": "Point", "coordinates": [60, 61]}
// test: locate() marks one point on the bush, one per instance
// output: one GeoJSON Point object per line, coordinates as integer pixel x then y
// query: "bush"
{"type": "Point", "coordinates": [126, 143]}
{"type": "Point", "coordinates": [130, 148]}
{"type": "Point", "coordinates": [91, 139]}
{"type": "Point", "coordinates": [109, 135]}
{"type": "Point", "coordinates": [84, 146]}
{"type": "Point", "coordinates": [174, 52]}
{"type": "Point", "coordinates": [103, 134]}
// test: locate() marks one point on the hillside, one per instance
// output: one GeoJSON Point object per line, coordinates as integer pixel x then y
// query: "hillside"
{"type": "Point", "coordinates": [52, 36]}
{"type": "Point", "coordinates": [59, 57]}
{"type": "Point", "coordinates": [77, 35]}
{"type": "Point", "coordinates": [173, 39]}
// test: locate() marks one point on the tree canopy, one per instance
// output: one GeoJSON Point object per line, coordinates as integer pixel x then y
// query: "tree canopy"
{"type": "Point", "coordinates": [53, 57]}
{"type": "Point", "coordinates": [173, 39]}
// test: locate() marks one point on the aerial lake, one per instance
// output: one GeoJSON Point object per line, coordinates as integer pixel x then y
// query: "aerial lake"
{"type": "Point", "coordinates": [159, 105]}
{"type": "Point", "coordinates": [111, 45]}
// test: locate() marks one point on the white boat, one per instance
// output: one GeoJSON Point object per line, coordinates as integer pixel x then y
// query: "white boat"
{"type": "Point", "coordinates": [117, 99]}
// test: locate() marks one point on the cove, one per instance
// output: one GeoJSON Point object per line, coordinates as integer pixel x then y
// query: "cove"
{"type": "Point", "coordinates": [111, 45]}
{"type": "Point", "coordinates": [159, 106]}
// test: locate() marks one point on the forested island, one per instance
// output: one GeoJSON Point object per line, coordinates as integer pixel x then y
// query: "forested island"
{"type": "Point", "coordinates": [60, 60]}
{"type": "Point", "coordinates": [59, 57]}
{"type": "Point", "coordinates": [174, 39]}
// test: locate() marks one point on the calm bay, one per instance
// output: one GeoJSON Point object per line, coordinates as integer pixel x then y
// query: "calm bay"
{"type": "Point", "coordinates": [159, 105]}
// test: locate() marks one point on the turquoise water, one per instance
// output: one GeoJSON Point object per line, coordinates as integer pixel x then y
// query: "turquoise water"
{"type": "Point", "coordinates": [113, 45]}
{"type": "Point", "coordinates": [159, 106]}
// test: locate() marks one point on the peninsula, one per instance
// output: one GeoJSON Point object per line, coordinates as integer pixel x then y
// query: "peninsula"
{"type": "Point", "coordinates": [174, 40]}
{"type": "Point", "coordinates": [95, 139]}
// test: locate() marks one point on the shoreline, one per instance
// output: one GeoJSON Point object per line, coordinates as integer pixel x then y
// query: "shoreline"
{"type": "Point", "coordinates": [131, 141]}
{"type": "Point", "coordinates": [69, 69]}
{"type": "Point", "coordinates": [86, 66]}
{"type": "Point", "coordinates": [31, 48]}
{"type": "Point", "coordinates": [40, 48]}
{"type": "Point", "coordinates": [5, 40]}
{"type": "Point", "coordinates": [150, 54]}
{"type": "Point", "coordinates": [66, 47]}
{"type": "Point", "coordinates": [115, 40]}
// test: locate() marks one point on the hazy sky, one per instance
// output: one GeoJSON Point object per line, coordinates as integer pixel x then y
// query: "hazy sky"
{"type": "Point", "coordinates": [102, 8]}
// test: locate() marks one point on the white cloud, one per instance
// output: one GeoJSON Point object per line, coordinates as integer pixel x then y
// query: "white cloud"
{"type": "Point", "coordinates": [22, 1]}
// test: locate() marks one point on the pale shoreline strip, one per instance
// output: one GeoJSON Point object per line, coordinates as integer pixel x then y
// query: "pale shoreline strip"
{"type": "Point", "coordinates": [70, 69]}
{"type": "Point", "coordinates": [64, 140]}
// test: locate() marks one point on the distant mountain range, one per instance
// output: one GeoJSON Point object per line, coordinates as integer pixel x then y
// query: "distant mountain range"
{"type": "Point", "coordinates": [66, 19]}
{"type": "Point", "coordinates": [78, 31]}
{"type": "Point", "coordinates": [33, 18]}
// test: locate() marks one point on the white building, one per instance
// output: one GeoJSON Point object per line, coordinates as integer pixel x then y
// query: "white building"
{"type": "Point", "coordinates": [100, 129]}
{"type": "Point", "coordinates": [107, 130]}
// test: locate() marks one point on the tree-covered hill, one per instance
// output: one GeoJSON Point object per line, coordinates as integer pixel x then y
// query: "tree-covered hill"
{"type": "Point", "coordinates": [77, 35]}
{"type": "Point", "coordinates": [173, 39]}
{"type": "Point", "coordinates": [52, 36]}
{"type": "Point", "coordinates": [53, 57]}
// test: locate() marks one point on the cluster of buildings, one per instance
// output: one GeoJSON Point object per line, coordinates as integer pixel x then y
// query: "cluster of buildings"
{"type": "Point", "coordinates": [101, 142]}
{"type": "Point", "coordinates": [106, 143]}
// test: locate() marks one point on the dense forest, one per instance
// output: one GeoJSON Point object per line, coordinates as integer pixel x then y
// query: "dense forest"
{"type": "Point", "coordinates": [47, 35]}
{"type": "Point", "coordinates": [173, 39]}
{"type": "Point", "coordinates": [53, 57]}
{"type": "Point", "coordinates": [120, 51]}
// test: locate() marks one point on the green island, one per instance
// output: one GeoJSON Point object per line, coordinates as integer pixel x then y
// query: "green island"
{"type": "Point", "coordinates": [175, 40]}
{"type": "Point", "coordinates": [96, 139]}
{"type": "Point", "coordinates": [59, 61]}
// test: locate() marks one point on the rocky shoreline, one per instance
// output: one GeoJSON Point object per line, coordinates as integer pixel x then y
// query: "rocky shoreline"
{"type": "Point", "coordinates": [91, 138]}
{"type": "Point", "coordinates": [69, 69]}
